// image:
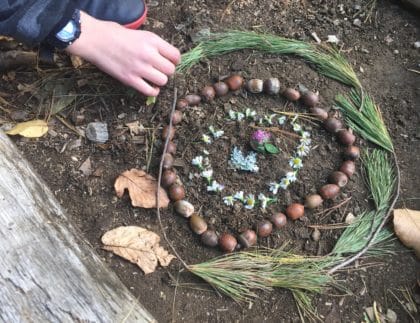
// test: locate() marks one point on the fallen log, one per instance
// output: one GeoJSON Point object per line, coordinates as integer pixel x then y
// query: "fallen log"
{"type": "Point", "coordinates": [47, 272]}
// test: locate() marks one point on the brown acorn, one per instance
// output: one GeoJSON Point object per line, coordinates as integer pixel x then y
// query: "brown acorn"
{"type": "Point", "coordinates": [184, 208]}
{"type": "Point", "coordinates": [320, 113]}
{"type": "Point", "coordinates": [176, 192]}
{"type": "Point", "coordinates": [234, 82]}
{"type": "Point", "coordinates": [291, 94]}
{"type": "Point", "coordinates": [313, 201]}
{"type": "Point", "coordinates": [247, 238]}
{"type": "Point", "coordinates": [310, 99]}
{"type": "Point", "coordinates": [329, 191]}
{"type": "Point", "coordinates": [198, 224]}
{"type": "Point", "coordinates": [220, 88]}
{"type": "Point", "coordinates": [166, 132]}
{"type": "Point", "coordinates": [176, 117]}
{"type": "Point", "coordinates": [264, 228]}
{"type": "Point", "coordinates": [333, 125]}
{"type": "Point", "coordinates": [348, 168]}
{"type": "Point", "coordinates": [227, 242]}
{"type": "Point", "coordinates": [171, 149]}
{"type": "Point", "coordinates": [254, 85]}
{"type": "Point", "coordinates": [352, 153]}
{"type": "Point", "coordinates": [168, 178]}
{"type": "Point", "coordinates": [272, 86]}
{"type": "Point", "coordinates": [193, 99]}
{"type": "Point", "coordinates": [338, 178]}
{"type": "Point", "coordinates": [295, 211]}
{"type": "Point", "coordinates": [182, 104]}
{"type": "Point", "coordinates": [210, 238]}
{"type": "Point", "coordinates": [168, 161]}
{"type": "Point", "coordinates": [208, 93]}
{"type": "Point", "coordinates": [279, 220]}
{"type": "Point", "coordinates": [346, 137]}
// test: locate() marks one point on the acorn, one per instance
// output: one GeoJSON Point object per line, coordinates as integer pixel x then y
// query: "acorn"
{"type": "Point", "coordinates": [272, 86]}
{"type": "Point", "coordinates": [254, 85]}
{"type": "Point", "coordinates": [182, 104]}
{"type": "Point", "coordinates": [171, 148]}
{"type": "Point", "coordinates": [352, 153]}
{"type": "Point", "coordinates": [176, 192]}
{"type": "Point", "coordinates": [193, 99]}
{"type": "Point", "coordinates": [234, 82]}
{"type": "Point", "coordinates": [320, 113]}
{"type": "Point", "coordinates": [210, 238]}
{"type": "Point", "coordinates": [333, 125]}
{"type": "Point", "coordinates": [329, 191]}
{"type": "Point", "coordinates": [310, 99]}
{"type": "Point", "coordinates": [168, 178]}
{"type": "Point", "coordinates": [295, 211]}
{"type": "Point", "coordinates": [166, 132]}
{"type": "Point", "coordinates": [346, 137]}
{"type": "Point", "coordinates": [279, 220]}
{"type": "Point", "coordinates": [247, 238]}
{"type": "Point", "coordinates": [313, 201]}
{"type": "Point", "coordinates": [208, 93]}
{"type": "Point", "coordinates": [227, 242]}
{"type": "Point", "coordinates": [198, 224]}
{"type": "Point", "coordinates": [176, 117]}
{"type": "Point", "coordinates": [264, 228]}
{"type": "Point", "coordinates": [168, 161]}
{"type": "Point", "coordinates": [184, 208]}
{"type": "Point", "coordinates": [338, 178]}
{"type": "Point", "coordinates": [348, 168]}
{"type": "Point", "coordinates": [220, 88]}
{"type": "Point", "coordinates": [291, 94]}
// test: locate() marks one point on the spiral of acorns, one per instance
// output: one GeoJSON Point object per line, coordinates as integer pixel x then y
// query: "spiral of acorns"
{"type": "Point", "coordinates": [248, 237]}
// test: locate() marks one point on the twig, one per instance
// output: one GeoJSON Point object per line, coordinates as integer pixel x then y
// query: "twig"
{"type": "Point", "coordinates": [329, 210]}
{"type": "Point", "coordinates": [64, 122]}
{"type": "Point", "coordinates": [328, 226]}
{"type": "Point", "coordinates": [412, 70]}
{"type": "Point", "coordinates": [160, 180]}
{"type": "Point", "coordinates": [149, 159]}
{"type": "Point", "coordinates": [373, 235]}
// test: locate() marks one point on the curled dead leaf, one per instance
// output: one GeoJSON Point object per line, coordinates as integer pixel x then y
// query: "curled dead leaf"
{"type": "Point", "coordinates": [142, 189]}
{"type": "Point", "coordinates": [407, 228]}
{"type": "Point", "coordinates": [30, 129]}
{"type": "Point", "coordinates": [138, 245]}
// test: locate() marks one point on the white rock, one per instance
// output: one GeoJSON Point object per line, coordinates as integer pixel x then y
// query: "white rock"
{"type": "Point", "coordinates": [316, 235]}
{"type": "Point", "coordinates": [416, 44]}
{"type": "Point", "coordinates": [350, 218]}
{"type": "Point", "coordinates": [184, 208]}
{"type": "Point", "coordinates": [391, 316]}
{"type": "Point", "coordinates": [333, 39]}
{"type": "Point", "coordinates": [357, 22]}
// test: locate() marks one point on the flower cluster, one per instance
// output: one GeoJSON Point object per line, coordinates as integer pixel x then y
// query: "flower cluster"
{"type": "Point", "coordinates": [241, 162]}
{"type": "Point", "coordinates": [249, 201]}
{"type": "Point", "coordinates": [203, 164]}
{"type": "Point", "coordinates": [215, 133]}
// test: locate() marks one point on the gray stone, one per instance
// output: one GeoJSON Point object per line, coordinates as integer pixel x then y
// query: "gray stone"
{"type": "Point", "coordinates": [97, 132]}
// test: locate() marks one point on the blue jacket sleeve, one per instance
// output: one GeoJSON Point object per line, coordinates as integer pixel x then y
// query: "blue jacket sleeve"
{"type": "Point", "coordinates": [31, 21]}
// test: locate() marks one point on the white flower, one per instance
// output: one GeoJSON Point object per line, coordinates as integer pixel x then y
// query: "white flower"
{"type": "Point", "coordinates": [295, 163]}
{"type": "Point", "coordinates": [284, 183]}
{"type": "Point", "coordinates": [207, 174]}
{"type": "Point", "coordinates": [198, 161]}
{"type": "Point", "coordinates": [215, 187]}
{"type": "Point", "coordinates": [282, 120]}
{"type": "Point", "coordinates": [206, 152]}
{"type": "Point", "coordinates": [240, 116]}
{"type": "Point", "coordinates": [232, 115]}
{"type": "Point", "coordinates": [291, 176]}
{"type": "Point", "coordinates": [249, 201]}
{"type": "Point", "coordinates": [206, 139]}
{"type": "Point", "coordinates": [269, 119]}
{"type": "Point", "coordinates": [218, 134]}
{"type": "Point", "coordinates": [302, 150]}
{"type": "Point", "coordinates": [206, 161]}
{"type": "Point", "coordinates": [264, 200]}
{"type": "Point", "coordinates": [274, 187]}
{"type": "Point", "coordinates": [306, 134]}
{"type": "Point", "coordinates": [251, 114]}
{"type": "Point", "coordinates": [294, 118]}
{"type": "Point", "coordinates": [305, 141]}
{"type": "Point", "coordinates": [228, 200]}
{"type": "Point", "coordinates": [239, 196]}
{"type": "Point", "coordinates": [297, 127]}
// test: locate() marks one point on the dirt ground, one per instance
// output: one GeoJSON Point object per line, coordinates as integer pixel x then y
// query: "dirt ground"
{"type": "Point", "coordinates": [382, 52]}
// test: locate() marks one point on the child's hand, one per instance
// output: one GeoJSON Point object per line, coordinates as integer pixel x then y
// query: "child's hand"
{"type": "Point", "coordinates": [137, 58]}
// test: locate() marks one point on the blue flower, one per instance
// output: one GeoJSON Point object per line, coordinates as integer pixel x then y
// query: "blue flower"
{"type": "Point", "coordinates": [241, 162]}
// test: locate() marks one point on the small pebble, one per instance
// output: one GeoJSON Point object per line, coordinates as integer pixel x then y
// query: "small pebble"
{"type": "Point", "coordinates": [396, 51]}
{"type": "Point", "coordinates": [350, 218]}
{"type": "Point", "coordinates": [391, 316]}
{"type": "Point", "coordinates": [122, 115]}
{"type": "Point", "coordinates": [316, 235]}
{"type": "Point", "coordinates": [416, 45]}
{"type": "Point", "coordinates": [97, 132]}
{"type": "Point", "coordinates": [357, 22]}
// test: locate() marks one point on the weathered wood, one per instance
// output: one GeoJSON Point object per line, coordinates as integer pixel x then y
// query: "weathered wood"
{"type": "Point", "coordinates": [47, 272]}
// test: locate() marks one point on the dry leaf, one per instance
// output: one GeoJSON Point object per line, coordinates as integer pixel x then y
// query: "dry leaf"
{"type": "Point", "coordinates": [407, 228]}
{"type": "Point", "coordinates": [86, 167]}
{"type": "Point", "coordinates": [135, 127]}
{"type": "Point", "coordinates": [138, 245]}
{"type": "Point", "coordinates": [30, 129]}
{"type": "Point", "coordinates": [142, 189]}
{"type": "Point", "coordinates": [76, 61]}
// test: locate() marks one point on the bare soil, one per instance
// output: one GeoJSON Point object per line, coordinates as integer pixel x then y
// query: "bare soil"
{"type": "Point", "coordinates": [381, 51]}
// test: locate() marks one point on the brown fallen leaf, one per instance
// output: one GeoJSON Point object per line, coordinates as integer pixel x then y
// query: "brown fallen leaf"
{"type": "Point", "coordinates": [138, 245]}
{"type": "Point", "coordinates": [142, 189]}
{"type": "Point", "coordinates": [407, 228]}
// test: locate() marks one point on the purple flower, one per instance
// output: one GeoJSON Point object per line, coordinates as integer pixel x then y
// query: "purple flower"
{"type": "Point", "coordinates": [261, 136]}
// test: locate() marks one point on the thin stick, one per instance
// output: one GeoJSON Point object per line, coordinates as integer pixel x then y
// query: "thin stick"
{"type": "Point", "coordinates": [373, 235]}
{"type": "Point", "coordinates": [411, 70]}
{"type": "Point", "coordinates": [160, 180]}
{"type": "Point", "coordinates": [334, 207]}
